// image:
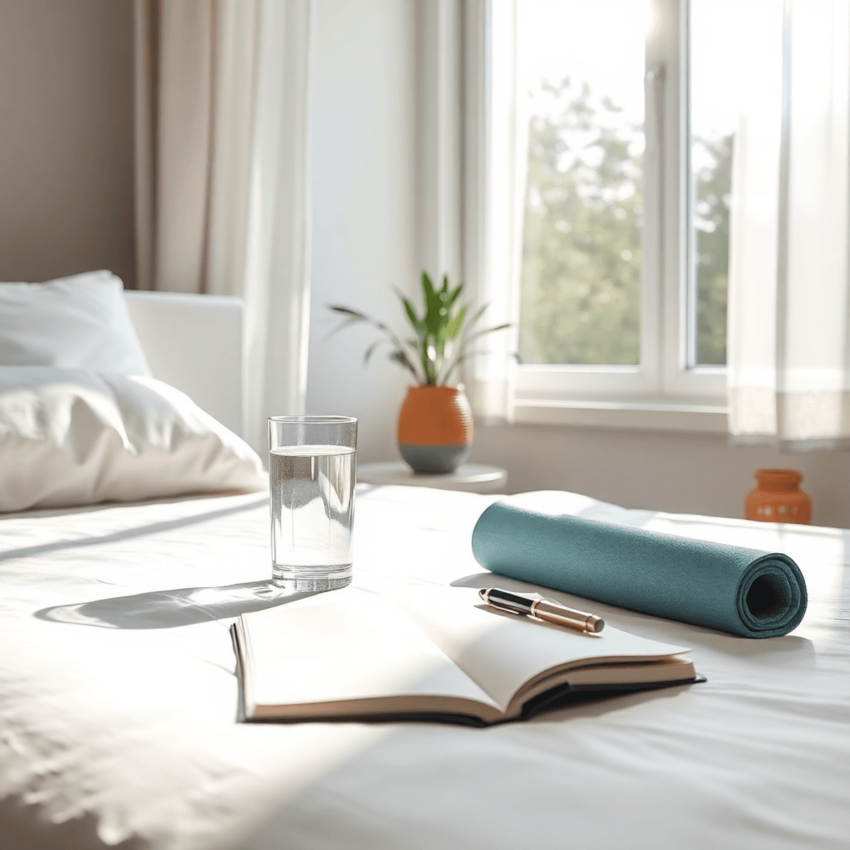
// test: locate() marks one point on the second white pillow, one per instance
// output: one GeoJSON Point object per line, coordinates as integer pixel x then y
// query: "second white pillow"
{"type": "Point", "coordinates": [78, 322]}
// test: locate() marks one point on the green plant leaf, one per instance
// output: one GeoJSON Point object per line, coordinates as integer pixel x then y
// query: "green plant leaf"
{"type": "Point", "coordinates": [478, 334]}
{"type": "Point", "coordinates": [455, 364]}
{"type": "Point", "coordinates": [455, 295]}
{"type": "Point", "coordinates": [476, 316]}
{"type": "Point", "coordinates": [461, 353]}
{"type": "Point", "coordinates": [425, 360]}
{"type": "Point", "coordinates": [411, 314]}
{"type": "Point", "coordinates": [454, 326]}
{"type": "Point", "coordinates": [430, 296]}
{"type": "Point", "coordinates": [347, 311]}
{"type": "Point", "coordinates": [400, 357]}
{"type": "Point", "coordinates": [370, 350]}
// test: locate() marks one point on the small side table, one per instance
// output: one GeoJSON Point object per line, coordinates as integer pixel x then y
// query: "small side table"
{"type": "Point", "coordinates": [471, 477]}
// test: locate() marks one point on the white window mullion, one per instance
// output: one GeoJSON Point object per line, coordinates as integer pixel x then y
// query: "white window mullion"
{"type": "Point", "coordinates": [679, 378]}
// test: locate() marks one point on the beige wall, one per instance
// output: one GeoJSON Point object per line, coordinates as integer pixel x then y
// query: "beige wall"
{"type": "Point", "coordinates": [66, 138]}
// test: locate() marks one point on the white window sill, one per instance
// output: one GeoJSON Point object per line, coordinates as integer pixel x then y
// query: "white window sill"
{"type": "Point", "coordinates": [635, 415]}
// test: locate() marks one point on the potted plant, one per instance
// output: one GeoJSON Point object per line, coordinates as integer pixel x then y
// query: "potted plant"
{"type": "Point", "coordinates": [434, 429]}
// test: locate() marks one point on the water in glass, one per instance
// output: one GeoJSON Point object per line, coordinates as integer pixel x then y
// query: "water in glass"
{"type": "Point", "coordinates": [312, 509]}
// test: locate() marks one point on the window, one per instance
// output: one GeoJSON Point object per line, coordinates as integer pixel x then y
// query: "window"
{"type": "Point", "coordinates": [632, 109]}
{"type": "Point", "coordinates": [582, 72]}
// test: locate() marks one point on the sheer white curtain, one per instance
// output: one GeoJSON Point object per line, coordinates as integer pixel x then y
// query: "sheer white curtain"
{"type": "Point", "coordinates": [789, 289]}
{"type": "Point", "coordinates": [222, 193]}
{"type": "Point", "coordinates": [496, 159]}
{"type": "Point", "coordinates": [472, 176]}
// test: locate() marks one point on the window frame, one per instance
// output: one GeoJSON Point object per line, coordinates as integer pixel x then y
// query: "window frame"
{"type": "Point", "coordinates": [665, 390]}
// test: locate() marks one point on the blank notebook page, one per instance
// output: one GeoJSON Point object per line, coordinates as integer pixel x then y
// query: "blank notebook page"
{"type": "Point", "coordinates": [346, 644]}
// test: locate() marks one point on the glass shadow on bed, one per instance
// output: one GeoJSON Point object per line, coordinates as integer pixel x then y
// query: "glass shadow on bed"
{"type": "Point", "coordinates": [168, 609]}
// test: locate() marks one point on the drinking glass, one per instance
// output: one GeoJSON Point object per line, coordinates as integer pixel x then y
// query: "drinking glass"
{"type": "Point", "coordinates": [312, 464]}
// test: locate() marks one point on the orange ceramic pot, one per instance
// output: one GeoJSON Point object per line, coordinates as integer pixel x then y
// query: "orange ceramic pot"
{"type": "Point", "coordinates": [778, 498]}
{"type": "Point", "coordinates": [434, 429]}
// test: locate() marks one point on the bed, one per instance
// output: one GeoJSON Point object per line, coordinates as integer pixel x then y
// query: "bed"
{"type": "Point", "coordinates": [119, 700]}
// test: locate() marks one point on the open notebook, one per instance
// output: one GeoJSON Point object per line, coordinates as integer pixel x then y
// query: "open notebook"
{"type": "Point", "coordinates": [431, 653]}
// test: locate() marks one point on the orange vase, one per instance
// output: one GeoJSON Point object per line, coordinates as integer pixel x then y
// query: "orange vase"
{"type": "Point", "coordinates": [778, 498]}
{"type": "Point", "coordinates": [434, 429]}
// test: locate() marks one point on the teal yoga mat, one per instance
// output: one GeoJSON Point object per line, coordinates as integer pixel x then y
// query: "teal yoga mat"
{"type": "Point", "coordinates": [742, 591]}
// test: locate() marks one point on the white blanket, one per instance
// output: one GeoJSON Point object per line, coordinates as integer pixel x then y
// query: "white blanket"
{"type": "Point", "coordinates": [118, 702]}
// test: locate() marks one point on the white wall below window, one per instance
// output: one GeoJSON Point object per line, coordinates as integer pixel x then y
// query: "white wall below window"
{"type": "Point", "coordinates": [676, 472]}
{"type": "Point", "coordinates": [364, 214]}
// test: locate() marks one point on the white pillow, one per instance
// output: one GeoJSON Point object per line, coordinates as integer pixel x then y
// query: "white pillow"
{"type": "Point", "coordinates": [72, 437]}
{"type": "Point", "coordinates": [78, 322]}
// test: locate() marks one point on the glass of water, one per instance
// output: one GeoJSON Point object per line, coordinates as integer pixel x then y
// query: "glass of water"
{"type": "Point", "coordinates": [311, 478]}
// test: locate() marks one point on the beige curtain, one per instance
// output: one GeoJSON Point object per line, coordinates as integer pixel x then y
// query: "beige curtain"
{"type": "Point", "coordinates": [222, 189]}
{"type": "Point", "coordinates": [789, 287]}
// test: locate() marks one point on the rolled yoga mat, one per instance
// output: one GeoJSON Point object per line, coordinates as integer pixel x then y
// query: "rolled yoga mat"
{"type": "Point", "coordinates": [742, 591]}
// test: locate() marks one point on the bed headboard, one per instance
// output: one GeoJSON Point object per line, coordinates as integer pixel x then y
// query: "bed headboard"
{"type": "Point", "coordinates": [194, 343]}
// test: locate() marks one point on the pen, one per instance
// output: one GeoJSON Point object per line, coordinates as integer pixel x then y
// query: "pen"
{"type": "Point", "coordinates": [549, 612]}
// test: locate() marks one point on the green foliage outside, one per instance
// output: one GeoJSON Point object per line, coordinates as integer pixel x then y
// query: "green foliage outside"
{"type": "Point", "coordinates": [713, 189]}
{"type": "Point", "coordinates": [580, 294]}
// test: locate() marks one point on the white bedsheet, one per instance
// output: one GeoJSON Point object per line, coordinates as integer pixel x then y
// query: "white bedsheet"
{"type": "Point", "coordinates": [118, 702]}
